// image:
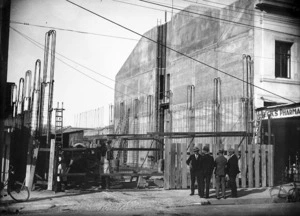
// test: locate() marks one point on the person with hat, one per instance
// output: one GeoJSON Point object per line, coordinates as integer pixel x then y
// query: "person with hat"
{"type": "Point", "coordinates": [232, 171]}
{"type": "Point", "coordinates": [195, 163]}
{"type": "Point", "coordinates": [207, 170]}
{"type": "Point", "coordinates": [220, 172]}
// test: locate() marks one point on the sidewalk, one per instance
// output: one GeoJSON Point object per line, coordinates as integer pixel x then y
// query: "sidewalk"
{"type": "Point", "coordinates": [122, 200]}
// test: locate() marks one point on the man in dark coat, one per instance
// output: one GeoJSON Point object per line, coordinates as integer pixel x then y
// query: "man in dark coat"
{"type": "Point", "coordinates": [232, 171]}
{"type": "Point", "coordinates": [208, 167]}
{"type": "Point", "coordinates": [220, 172]}
{"type": "Point", "coordinates": [195, 163]}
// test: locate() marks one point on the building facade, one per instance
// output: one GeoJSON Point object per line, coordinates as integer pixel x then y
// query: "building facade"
{"type": "Point", "coordinates": [208, 70]}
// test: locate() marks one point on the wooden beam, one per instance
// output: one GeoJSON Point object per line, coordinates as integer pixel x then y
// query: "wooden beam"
{"type": "Point", "coordinates": [51, 165]}
{"type": "Point", "coordinates": [112, 149]}
{"type": "Point", "coordinates": [132, 174]}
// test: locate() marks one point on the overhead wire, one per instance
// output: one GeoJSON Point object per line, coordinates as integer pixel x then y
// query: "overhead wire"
{"type": "Point", "coordinates": [207, 5]}
{"type": "Point", "coordinates": [242, 10]}
{"type": "Point", "coordinates": [250, 10]}
{"type": "Point", "coordinates": [116, 37]}
{"type": "Point", "coordinates": [95, 80]}
{"type": "Point", "coordinates": [221, 19]}
{"type": "Point", "coordinates": [39, 45]}
{"type": "Point", "coordinates": [95, 72]}
{"type": "Point", "coordinates": [178, 52]}
{"type": "Point", "coordinates": [171, 12]}
{"type": "Point", "coordinates": [72, 30]}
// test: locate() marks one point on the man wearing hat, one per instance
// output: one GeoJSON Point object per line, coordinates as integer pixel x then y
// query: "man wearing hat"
{"type": "Point", "coordinates": [220, 168]}
{"type": "Point", "coordinates": [207, 170]}
{"type": "Point", "coordinates": [195, 163]}
{"type": "Point", "coordinates": [232, 171]}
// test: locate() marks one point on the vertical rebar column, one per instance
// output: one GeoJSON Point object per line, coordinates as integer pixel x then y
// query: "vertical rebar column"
{"type": "Point", "coordinates": [217, 104]}
{"type": "Point", "coordinates": [36, 98]}
{"type": "Point", "coordinates": [50, 36]}
{"type": "Point", "coordinates": [14, 99]}
{"type": "Point", "coordinates": [27, 91]}
{"type": "Point", "coordinates": [20, 96]}
{"type": "Point", "coordinates": [33, 145]}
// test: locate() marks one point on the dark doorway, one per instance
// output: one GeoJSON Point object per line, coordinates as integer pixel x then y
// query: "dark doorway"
{"type": "Point", "coordinates": [286, 138]}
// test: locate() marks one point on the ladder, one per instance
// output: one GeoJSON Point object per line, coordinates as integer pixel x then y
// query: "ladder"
{"type": "Point", "coordinates": [122, 128]}
{"type": "Point", "coordinates": [58, 139]}
{"type": "Point", "coordinates": [59, 127]}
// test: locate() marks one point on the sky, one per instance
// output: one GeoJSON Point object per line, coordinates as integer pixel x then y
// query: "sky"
{"type": "Point", "coordinates": [89, 50]}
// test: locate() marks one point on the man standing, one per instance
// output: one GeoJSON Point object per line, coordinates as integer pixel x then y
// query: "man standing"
{"type": "Point", "coordinates": [232, 171]}
{"type": "Point", "coordinates": [220, 165]}
{"type": "Point", "coordinates": [208, 167]}
{"type": "Point", "coordinates": [195, 163]}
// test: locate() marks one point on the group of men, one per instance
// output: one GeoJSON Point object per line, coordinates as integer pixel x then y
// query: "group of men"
{"type": "Point", "coordinates": [202, 167]}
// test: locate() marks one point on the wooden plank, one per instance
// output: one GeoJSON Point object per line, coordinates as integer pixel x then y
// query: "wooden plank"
{"type": "Point", "coordinates": [257, 166]}
{"type": "Point", "coordinates": [250, 166]}
{"type": "Point", "coordinates": [122, 174]}
{"type": "Point", "coordinates": [214, 152]}
{"type": "Point", "coordinates": [243, 165]}
{"type": "Point", "coordinates": [176, 180]}
{"type": "Point", "coordinates": [112, 149]}
{"type": "Point", "coordinates": [263, 166]}
{"type": "Point", "coordinates": [179, 179]}
{"type": "Point", "coordinates": [184, 168]}
{"type": "Point", "coordinates": [270, 165]}
{"type": "Point", "coordinates": [236, 151]}
{"type": "Point", "coordinates": [167, 164]}
{"type": "Point", "coordinates": [172, 166]}
{"type": "Point", "coordinates": [51, 165]}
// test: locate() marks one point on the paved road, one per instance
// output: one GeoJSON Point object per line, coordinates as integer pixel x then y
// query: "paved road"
{"type": "Point", "coordinates": [270, 209]}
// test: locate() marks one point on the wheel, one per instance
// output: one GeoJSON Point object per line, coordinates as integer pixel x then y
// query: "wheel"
{"type": "Point", "coordinates": [292, 195]}
{"type": "Point", "coordinates": [278, 192]}
{"type": "Point", "coordinates": [19, 192]}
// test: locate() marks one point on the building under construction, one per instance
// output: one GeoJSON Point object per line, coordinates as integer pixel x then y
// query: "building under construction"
{"type": "Point", "coordinates": [199, 80]}
{"type": "Point", "coordinates": [218, 77]}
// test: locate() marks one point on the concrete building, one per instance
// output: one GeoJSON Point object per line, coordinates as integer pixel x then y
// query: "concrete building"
{"type": "Point", "coordinates": [208, 70]}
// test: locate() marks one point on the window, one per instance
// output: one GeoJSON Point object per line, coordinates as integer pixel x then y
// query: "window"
{"type": "Point", "coordinates": [283, 59]}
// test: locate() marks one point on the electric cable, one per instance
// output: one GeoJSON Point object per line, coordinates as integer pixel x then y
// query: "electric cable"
{"type": "Point", "coordinates": [39, 45]}
{"type": "Point", "coordinates": [72, 30]}
{"type": "Point", "coordinates": [111, 36]}
{"type": "Point", "coordinates": [216, 18]}
{"type": "Point", "coordinates": [178, 52]}
{"type": "Point", "coordinates": [254, 14]}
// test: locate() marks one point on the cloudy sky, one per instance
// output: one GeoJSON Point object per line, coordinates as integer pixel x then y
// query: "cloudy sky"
{"type": "Point", "coordinates": [89, 50]}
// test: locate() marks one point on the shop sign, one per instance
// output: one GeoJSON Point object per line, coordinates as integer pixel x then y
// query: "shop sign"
{"type": "Point", "coordinates": [280, 112]}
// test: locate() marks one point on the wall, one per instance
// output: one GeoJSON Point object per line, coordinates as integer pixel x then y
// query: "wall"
{"type": "Point", "coordinates": [212, 42]}
{"type": "Point", "coordinates": [134, 83]}
{"type": "Point", "coordinates": [4, 37]}
{"type": "Point", "coordinates": [264, 52]}
{"type": "Point", "coordinates": [215, 45]}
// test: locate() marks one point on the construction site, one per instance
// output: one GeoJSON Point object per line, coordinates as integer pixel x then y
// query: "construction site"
{"type": "Point", "coordinates": [166, 102]}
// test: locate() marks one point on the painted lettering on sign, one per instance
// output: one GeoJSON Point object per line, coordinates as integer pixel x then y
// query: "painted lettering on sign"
{"type": "Point", "coordinates": [280, 113]}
